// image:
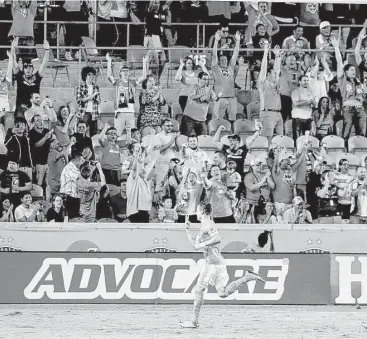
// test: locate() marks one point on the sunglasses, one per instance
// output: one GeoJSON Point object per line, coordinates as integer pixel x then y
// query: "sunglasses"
{"type": "Point", "coordinates": [225, 31]}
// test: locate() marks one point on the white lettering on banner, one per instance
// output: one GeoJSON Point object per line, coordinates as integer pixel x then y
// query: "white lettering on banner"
{"type": "Point", "coordinates": [346, 278]}
{"type": "Point", "coordinates": [146, 279]}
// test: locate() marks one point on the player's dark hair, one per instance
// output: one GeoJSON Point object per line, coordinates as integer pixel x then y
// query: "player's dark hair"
{"type": "Point", "coordinates": [207, 207]}
{"type": "Point", "coordinates": [263, 238]}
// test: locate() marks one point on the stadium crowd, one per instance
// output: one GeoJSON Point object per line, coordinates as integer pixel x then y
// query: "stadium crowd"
{"type": "Point", "coordinates": [296, 156]}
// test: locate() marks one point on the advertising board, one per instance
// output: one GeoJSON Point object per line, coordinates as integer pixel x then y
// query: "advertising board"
{"type": "Point", "coordinates": [158, 278]}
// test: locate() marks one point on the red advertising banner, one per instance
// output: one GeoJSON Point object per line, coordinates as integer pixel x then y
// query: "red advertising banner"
{"type": "Point", "coordinates": [348, 279]}
{"type": "Point", "coordinates": [163, 238]}
{"type": "Point", "coordinates": [158, 278]}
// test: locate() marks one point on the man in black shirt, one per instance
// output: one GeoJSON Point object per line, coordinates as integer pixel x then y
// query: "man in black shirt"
{"type": "Point", "coordinates": [81, 139]}
{"type": "Point", "coordinates": [234, 151]}
{"type": "Point", "coordinates": [18, 146]}
{"type": "Point", "coordinates": [40, 140]}
{"type": "Point", "coordinates": [13, 183]}
{"type": "Point", "coordinates": [28, 81]}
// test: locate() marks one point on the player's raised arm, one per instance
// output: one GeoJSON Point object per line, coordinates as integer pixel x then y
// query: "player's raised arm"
{"type": "Point", "coordinates": [189, 234]}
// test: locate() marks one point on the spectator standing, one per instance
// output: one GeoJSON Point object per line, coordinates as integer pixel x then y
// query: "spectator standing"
{"type": "Point", "coordinates": [28, 81]}
{"type": "Point", "coordinates": [165, 145]}
{"type": "Point", "coordinates": [196, 111]}
{"type": "Point", "coordinates": [226, 43]}
{"type": "Point", "coordinates": [167, 214]}
{"type": "Point", "coordinates": [194, 159]}
{"type": "Point", "coordinates": [327, 209]}
{"type": "Point", "coordinates": [343, 180]}
{"type": "Point", "coordinates": [361, 62]}
{"type": "Point", "coordinates": [188, 197]}
{"type": "Point", "coordinates": [88, 191]}
{"type": "Point", "coordinates": [187, 75]}
{"type": "Point", "coordinates": [88, 98]}
{"type": "Point", "coordinates": [288, 81]}
{"type": "Point", "coordinates": [359, 193]}
{"type": "Point", "coordinates": [82, 141]}
{"type": "Point", "coordinates": [151, 100]}
{"type": "Point", "coordinates": [111, 159]}
{"type": "Point", "coordinates": [302, 108]}
{"type": "Point", "coordinates": [309, 15]}
{"type": "Point", "coordinates": [40, 140]}
{"type": "Point", "coordinates": [336, 99]}
{"type": "Point", "coordinates": [65, 125]}
{"type": "Point", "coordinates": [352, 94]}
{"type": "Point", "coordinates": [244, 213]}
{"type": "Point", "coordinates": [13, 183]}
{"type": "Point", "coordinates": [290, 41]}
{"type": "Point", "coordinates": [24, 13]}
{"type": "Point", "coordinates": [75, 10]}
{"type": "Point", "coordinates": [125, 88]}
{"type": "Point", "coordinates": [283, 173]}
{"type": "Point", "coordinates": [265, 18]}
{"type": "Point", "coordinates": [153, 30]}
{"type": "Point", "coordinates": [44, 109]}
{"type": "Point", "coordinates": [5, 82]}
{"type": "Point", "coordinates": [68, 186]}
{"type": "Point", "coordinates": [26, 212]}
{"type": "Point", "coordinates": [219, 196]}
{"type": "Point", "coordinates": [224, 80]}
{"type": "Point", "coordinates": [258, 186]}
{"type": "Point", "coordinates": [269, 90]}
{"type": "Point", "coordinates": [323, 119]}
{"type": "Point", "coordinates": [104, 209]}
{"type": "Point", "coordinates": [234, 151]}
{"type": "Point", "coordinates": [313, 183]}
{"type": "Point", "coordinates": [18, 146]}
{"type": "Point", "coordinates": [107, 32]}
{"type": "Point", "coordinates": [119, 202]}
{"type": "Point", "coordinates": [56, 161]}
{"type": "Point", "coordinates": [57, 212]}
{"type": "Point", "coordinates": [139, 192]}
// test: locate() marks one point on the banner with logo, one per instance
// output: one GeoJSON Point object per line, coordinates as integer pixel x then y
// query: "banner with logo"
{"type": "Point", "coordinates": [163, 238]}
{"type": "Point", "coordinates": [158, 278]}
{"type": "Point", "coordinates": [348, 279]}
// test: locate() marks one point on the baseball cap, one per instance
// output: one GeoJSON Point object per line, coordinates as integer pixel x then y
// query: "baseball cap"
{"type": "Point", "coordinates": [324, 24]}
{"type": "Point", "coordinates": [234, 136]}
{"type": "Point", "coordinates": [256, 161]}
{"type": "Point", "coordinates": [297, 200]}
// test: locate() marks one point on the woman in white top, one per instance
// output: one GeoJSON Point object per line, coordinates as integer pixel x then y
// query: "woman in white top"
{"type": "Point", "coordinates": [187, 75]}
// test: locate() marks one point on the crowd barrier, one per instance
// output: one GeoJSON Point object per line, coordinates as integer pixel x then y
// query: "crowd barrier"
{"type": "Point", "coordinates": [308, 279]}
{"type": "Point", "coordinates": [171, 238]}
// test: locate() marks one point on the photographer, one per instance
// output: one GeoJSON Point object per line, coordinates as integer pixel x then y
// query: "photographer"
{"type": "Point", "coordinates": [88, 190]}
{"type": "Point", "coordinates": [298, 213]}
{"type": "Point", "coordinates": [26, 212]}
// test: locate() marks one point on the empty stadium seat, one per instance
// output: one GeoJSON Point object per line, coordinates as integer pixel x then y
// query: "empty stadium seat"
{"type": "Point", "coordinates": [301, 141]}
{"type": "Point", "coordinates": [135, 55]}
{"type": "Point", "coordinates": [253, 110]}
{"type": "Point", "coordinates": [206, 144]}
{"type": "Point", "coordinates": [354, 161]}
{"type": "Point", "coordinates": [288, 129]}
{"type": "Point", "coordinates": [244, 128]}
{"type": "Point", "coordinates": [357, 145]}
{"type": "Point", "coordinates": [334, 145]}
{"type": "Point", "coordinates": [37, 192]}
{"type": "Point", "coordinates": [339, 129]}
{"type": "Point", "coordinates": [214, 124]}
{"type": "Point", "coordinates": [176, 126]}
{"type": "Point", "coordinates": [283, 141]}
{"type": "Point", "coordinates": [259, 146]}
{"type": "Point", "coordinates": [182, 139]}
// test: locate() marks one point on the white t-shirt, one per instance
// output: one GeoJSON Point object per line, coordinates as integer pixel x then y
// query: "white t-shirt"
{"type": "Point", "coordinates": [160, 140]}
{"type": "Point", "coordinates": [304, 111]}
{"type": "Point", "coordinates": [21, 211]}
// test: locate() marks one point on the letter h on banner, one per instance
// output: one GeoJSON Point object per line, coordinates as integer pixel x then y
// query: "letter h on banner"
{"type": "Point", "coordinates": [346, 278]}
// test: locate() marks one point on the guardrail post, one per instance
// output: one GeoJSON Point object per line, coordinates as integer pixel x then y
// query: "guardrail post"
{"type": "Point", "coordinates": [58, 41]}
{"type": "Point", "coordinates": [197, 36]}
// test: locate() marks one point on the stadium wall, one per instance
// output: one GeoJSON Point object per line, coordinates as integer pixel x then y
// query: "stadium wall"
{"type": "Point", "coordinates": [164, 278]}
{"type": "Point", "coordinates": [163, 238]}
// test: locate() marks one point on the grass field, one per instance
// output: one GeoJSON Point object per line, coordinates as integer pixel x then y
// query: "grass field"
{"type": "Point", "coordinates": [152, 321]}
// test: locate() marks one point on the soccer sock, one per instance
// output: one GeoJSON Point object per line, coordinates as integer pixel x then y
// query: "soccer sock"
{"type": "Point", "coordinates": [235, 285]}
{"type": "Point", "coordinates": [198, 303]}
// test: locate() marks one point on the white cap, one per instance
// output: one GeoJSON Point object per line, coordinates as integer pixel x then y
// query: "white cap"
{"type": "Point", "coordinates": [324, 24]}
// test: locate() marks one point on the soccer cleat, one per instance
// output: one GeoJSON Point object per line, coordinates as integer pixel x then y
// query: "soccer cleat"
{"type": "Point", "coordinates": [189, 324]}
{"type": "Point", "coordinates": [253, 276]}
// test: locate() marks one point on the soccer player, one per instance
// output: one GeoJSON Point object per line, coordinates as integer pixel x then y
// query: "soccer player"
{"type": "Point", "coordinates": [214, 271]}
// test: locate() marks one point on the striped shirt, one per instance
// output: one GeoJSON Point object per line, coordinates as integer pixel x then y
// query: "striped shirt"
{"type": "Point", "coordinates": [68, 180]}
